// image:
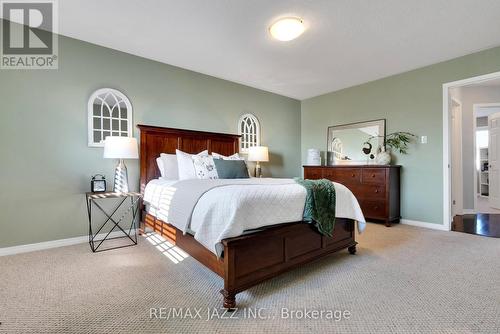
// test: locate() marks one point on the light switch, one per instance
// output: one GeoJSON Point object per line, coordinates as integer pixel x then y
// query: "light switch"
{"type": "Point", "coordinates": [423, 139]}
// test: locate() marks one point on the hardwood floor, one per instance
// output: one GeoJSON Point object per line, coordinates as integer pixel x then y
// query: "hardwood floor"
{"type": "Point", "coordinates": [481, 224]}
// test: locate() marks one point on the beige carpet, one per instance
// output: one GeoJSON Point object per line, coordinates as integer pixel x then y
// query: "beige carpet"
{"type": "Point", "coordinates": [403, 280]}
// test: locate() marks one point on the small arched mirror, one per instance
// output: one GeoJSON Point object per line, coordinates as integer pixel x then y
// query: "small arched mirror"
{"type": "Point", "coordinates": [109, 114]}
{"type": "Point", "coordinates": [249, 130]}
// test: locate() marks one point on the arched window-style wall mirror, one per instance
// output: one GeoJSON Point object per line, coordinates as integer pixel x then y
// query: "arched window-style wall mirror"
{"type": "Point", "coordinates": [249, 129]}
{"type": "Point", "coordinates": [109, 114]}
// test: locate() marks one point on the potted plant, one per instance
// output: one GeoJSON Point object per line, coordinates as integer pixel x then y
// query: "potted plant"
{"type": "Point", "coordinates": [398, 141]}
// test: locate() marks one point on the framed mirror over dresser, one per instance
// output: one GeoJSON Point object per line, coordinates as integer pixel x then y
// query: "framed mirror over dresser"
{"type": "Point", "coordinates": [352, 153]}
{"type": "Point", "coordinates": [355, 143]}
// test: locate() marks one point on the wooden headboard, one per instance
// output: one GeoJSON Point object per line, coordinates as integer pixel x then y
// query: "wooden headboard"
{"type": "Point", "coordinates": [156, 140]}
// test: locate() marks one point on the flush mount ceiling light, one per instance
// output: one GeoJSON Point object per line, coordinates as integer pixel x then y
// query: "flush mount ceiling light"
{"type": "Point", "coordinates": [287, 28]}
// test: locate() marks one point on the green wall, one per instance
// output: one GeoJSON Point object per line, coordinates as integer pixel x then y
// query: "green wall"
{"type": "Point", "coordinates": [45, 162]}
{"type": "Point", "coordinates": [412, 102]}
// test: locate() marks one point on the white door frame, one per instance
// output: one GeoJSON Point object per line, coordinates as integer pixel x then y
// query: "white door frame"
{"type": "Point", "coordinates": [459, 194]}
{"type": "Point", "coordinates": [475, 107]}
{"type": "Point", "coordinates": [446, 140]}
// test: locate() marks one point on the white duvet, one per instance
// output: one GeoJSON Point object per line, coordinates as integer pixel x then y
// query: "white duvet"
{"type": "Point", "coordinates": [229, 210]}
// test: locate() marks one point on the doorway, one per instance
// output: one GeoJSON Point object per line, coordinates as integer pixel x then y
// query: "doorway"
{"type": "Point", "coordinates": [471, 130]}
{"type": "Point", "coordinates": [486, 184]}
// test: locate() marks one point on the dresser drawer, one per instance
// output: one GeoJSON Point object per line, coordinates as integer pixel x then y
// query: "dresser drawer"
{"type": "Point", "coordinates": [373, 208]}
{"type": "Point", "coordinates": [344, 175]}
{"type": "Point", "coordinates": [313, 173]}
{"type": "Point", "coordinates": [374, 176]}
{"type": "Point", "coordinates": [369, 191]}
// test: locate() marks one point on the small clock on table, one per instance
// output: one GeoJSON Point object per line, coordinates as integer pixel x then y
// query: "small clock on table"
{"type": "Point", "coordinates": [98, 184]}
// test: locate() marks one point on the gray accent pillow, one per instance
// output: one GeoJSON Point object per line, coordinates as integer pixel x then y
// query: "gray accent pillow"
{"type": "Point", "coordinates": [231, 169]}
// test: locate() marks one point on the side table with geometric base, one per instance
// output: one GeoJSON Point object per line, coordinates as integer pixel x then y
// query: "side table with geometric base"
{"type": "Point", "coordinates": [129, 230]}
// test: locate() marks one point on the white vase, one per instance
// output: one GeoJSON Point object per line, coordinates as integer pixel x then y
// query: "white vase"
{"type": "Point", "coordinates": [383, 157]}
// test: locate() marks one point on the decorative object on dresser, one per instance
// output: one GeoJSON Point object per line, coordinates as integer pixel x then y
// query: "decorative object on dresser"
{"type": "Point", "coordinates": [377, 188]}
{"type": "Point", "coordinates": [120, 148]}
{"type": "Point", "coordinates": [350, 143]}
{"type": "Point", "coordinates": [258, 154]}
{"type": "Point", "coordinates": [383, 157]}
{"type": "Point", "coordinates": [98, 183]}
{"type": "Point", "coordinates": [396, 140]}
{"type": "Point", "coordinates": [313, 157]}
{"type": "Point", "coordinates": [281, 248]}
{"type": "Point", "coordinates": [367, 150]}
{"type": "Point", "coordinates": [131, 211]}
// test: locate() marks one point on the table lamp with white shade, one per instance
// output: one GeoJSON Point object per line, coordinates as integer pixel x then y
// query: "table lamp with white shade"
{"type": "Point", "coordinates": [258, 154]}
{"type": "Point", "coordinates": [120, 148]}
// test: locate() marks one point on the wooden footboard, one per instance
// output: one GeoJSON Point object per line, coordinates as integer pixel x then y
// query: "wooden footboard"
{"type": "Point", "coordinates": [255, 257]}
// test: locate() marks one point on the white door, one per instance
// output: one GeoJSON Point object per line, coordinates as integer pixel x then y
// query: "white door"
{"type": "Point", "coordinates": [494, 159]}
{"type": "Point", "coordinates": [456, 159]}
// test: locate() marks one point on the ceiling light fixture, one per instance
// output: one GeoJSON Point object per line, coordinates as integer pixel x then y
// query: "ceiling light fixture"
{"type": "Point", "coordinates": [287, 28]}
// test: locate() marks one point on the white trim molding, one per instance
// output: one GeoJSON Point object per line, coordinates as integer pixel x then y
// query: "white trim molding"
{"type": "Point", "coordinates": [53, 244]}
{"type": "Point", "coordinates": [417, 223]}
{"type": "Point", "coordinates": [447, 142]}
{"type": "Point", "coordinates": [457, 195]}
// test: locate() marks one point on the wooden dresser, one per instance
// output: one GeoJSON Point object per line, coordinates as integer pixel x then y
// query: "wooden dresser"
{"type": "Point", "coordinates": [375, 187]}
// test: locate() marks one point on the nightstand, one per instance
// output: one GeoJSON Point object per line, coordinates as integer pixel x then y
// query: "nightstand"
{"type": "Point", "coordinates": [129, 202]}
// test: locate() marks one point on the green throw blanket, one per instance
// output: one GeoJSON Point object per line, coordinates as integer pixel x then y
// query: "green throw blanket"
{"type": "Point", "coordinates": [320, 204]}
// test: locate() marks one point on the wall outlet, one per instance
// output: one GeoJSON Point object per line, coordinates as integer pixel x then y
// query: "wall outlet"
{"type": "Point", "coordinates": [423, 139]}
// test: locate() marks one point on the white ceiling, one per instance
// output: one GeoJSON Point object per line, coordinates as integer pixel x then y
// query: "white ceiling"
{"type": "Point", "coordinates": [347, 42]}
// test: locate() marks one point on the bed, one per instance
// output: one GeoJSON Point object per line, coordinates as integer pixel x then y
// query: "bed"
{"type": "Point", "coordinates": [281, 247]}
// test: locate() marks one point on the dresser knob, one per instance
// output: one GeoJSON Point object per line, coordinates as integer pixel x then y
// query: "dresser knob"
{"type": "Point", "coordinates": [373, 175]}
{"type": "Point", "coordinates": [353, 175]}
{"type": "Point", "coordinates": [376, 191]}
{"type": "Point", "coordinates": [376, 207]}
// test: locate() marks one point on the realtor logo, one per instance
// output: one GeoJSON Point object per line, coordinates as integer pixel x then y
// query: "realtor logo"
{"type": "Point", "coordinates": [29, 34]}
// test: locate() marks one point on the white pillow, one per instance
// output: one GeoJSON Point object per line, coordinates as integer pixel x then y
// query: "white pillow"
{"type": "Point", "coordinates": [185, 164]}
{"type": "Point", "coordinates": [235, 156]}
{"type": "Point", "coordinates": [159, 163]}
{"type": "Point", "coordinates": [169, 165]}
{"type": "Point", "coordinates": [204, 167]}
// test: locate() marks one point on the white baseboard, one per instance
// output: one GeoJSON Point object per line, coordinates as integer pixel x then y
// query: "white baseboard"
{"type": "Point", "coordinates": [424, 224]}
{"type": "Point", "coordinates": [53, 244]}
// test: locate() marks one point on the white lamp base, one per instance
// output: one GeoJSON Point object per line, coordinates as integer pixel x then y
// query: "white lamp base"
{"type": "Point", "coordinates": [258, 170]}
{"type": "Point", "coordinates": [121, 178]}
